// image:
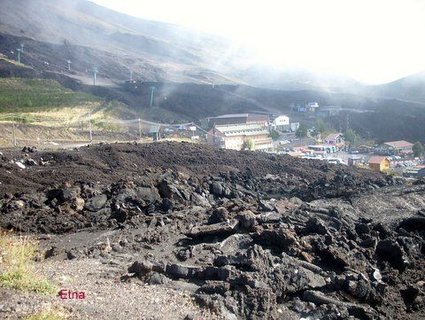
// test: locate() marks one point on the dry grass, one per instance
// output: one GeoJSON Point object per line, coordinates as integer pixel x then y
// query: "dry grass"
{"type": "Point", "coordinates": [17, 269]}
{"type": "Point", "coordinates": [49, 314]}
{"type": "Point", "coordinates": [57, 117]}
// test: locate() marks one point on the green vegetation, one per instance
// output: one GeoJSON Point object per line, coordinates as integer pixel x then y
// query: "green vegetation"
{"type": "Point", "coordinates": [418, 149]}
{"type": "Point", "coordinates": [23, 118]}
{"type": "Point", "coordinates": [28, 95]}
{"type": "Point", "coordinates": [104, 124]}
{"type": "Point", "coordinates": [274, 135]}
{"type": "Point", "coordinates": [352, 137]}
{"type": "Point", "coordinates": [48, 314]}
{"type": "Point", "coordinates": [302, 131]}
{"type": "Point", "coordinates": [319, 127]}
{"type": "Point", "coordinates": [158, 114]}
{"type": "Point", "coordinates": [249, 144]}
{"type": "Point", "coordinates": [17, 267]}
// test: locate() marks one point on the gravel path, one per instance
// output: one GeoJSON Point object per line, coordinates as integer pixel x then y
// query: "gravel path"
{"type": "Point", "coordinates": [106, 296]}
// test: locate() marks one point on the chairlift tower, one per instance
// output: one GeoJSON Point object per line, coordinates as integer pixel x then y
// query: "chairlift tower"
{"type": "Point", "coordinates": [22, 47]}
{"type": "Point", "coordinates": [151, 100]}
{"type": "Point", "coordinates": [95, 71]}
{"type": "Point", "coordinates": [69, 64]}
{"type": "Point", "coordinates": [18, 51]}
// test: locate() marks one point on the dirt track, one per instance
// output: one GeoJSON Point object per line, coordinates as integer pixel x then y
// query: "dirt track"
{"type": "Point", "coordinates": [247, 235]}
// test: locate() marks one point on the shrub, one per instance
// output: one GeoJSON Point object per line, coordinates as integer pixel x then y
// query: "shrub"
{"type": "Point", "coordinates": [17, 267]}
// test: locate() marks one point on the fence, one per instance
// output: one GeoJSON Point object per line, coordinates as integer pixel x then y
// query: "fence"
{"type": "Point", "coordinates": [64, 134]}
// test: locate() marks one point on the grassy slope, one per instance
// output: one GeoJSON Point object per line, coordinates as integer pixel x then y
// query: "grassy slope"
{"type": "Point", "coordinates": [46, 102]}
{"type": "Point", "coordinates": [26, 95]}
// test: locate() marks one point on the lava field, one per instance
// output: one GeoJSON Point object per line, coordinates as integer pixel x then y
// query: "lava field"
{"type": "Point", "coordinates": [250, 235]}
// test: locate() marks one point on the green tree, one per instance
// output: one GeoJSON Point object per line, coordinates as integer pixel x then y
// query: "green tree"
{"type": "Point", "coordinates": [418, 149]}
{"type": "Point", "coordinates": [301, 132]}
{"type": "Point", "coordinates": [274, 135]}
{"type": "Point", "coordinates": [351, 137]}
{"type": "Point", "coordinates": [320, 126]}
{"type": "Point", "coordinates": [249, 144]}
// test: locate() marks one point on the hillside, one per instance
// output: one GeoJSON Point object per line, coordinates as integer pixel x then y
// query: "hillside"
{"type": "Point", "coordinates": [90, 35]}
{"type": "Point", "coordinates": [37, 111]}
{"type": "Point", "coordinates": [83, 31]}
{"type": "Point", "coordinates": [411, 88]}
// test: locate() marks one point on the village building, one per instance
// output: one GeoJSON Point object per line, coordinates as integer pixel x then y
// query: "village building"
{"type": "Point", "coordinates": [329, 111]}
{"type": "Point", "coordinates": [294, 126]}
{"type": "Point", "coordinates": [240, 137]}
{"type": "Point", "coordinates": [400, 147]}
{"type": "Point", "coordinates": [335, 139]}
{"type": "Point", "coordinates": [355, 160]}
{"type": "Point", "coordinates": [379, 164]}
{"type": "Point", "coordinates": [309, 107]}
{"type": "Point", "coordinates": [312, 106]}
{"type": "Point", "coordinates": [154, 132]}
{"type": "Point", "coordinates": [281, 123]}
{"type": "Point", "coordinates": [237, 118]}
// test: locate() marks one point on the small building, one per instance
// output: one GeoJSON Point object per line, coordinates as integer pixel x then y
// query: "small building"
{"type": "Point", "coordinates": [239, 136]}
{"type": "Point", "coordinates": [329, 111]}
{"type": "Point", "coordinates": [154, 132]}
{"type": "Point", "coordinates": [293, 126]}
{"type": "Point", "coordinates": [379, 164]}
{"type": "Point", "coordinates": [301, 108]}
{"type": "Point", "coordinates": [312, 106]}
{"type": "Point", "coordinates": [355, 160]}
{"type": "Point", "coordinates": [281, 123]}
{"type": "Point", "coordinates": [400, 147]}
{"type": "Point", "coordinates": [335, 139]}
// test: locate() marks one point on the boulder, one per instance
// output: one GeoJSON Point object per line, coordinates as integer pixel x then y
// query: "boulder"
{"type": "Point", "coordinates": [149, 195]}
{"type": "Point", "coordinates": [221, 228]}
{"type": "Point", "coordinates": [96, 203]}
{"type": "Point", "coordinates": [389, 250]}
{"type": "Point", "coordinates": [247, 219]}
{"type": "Point", "coordinates": [219, 214]}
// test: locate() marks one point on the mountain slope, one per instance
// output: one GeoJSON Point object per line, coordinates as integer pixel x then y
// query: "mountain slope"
{"type": "Point", "coordinates": [168, 52]}
{"type": "Point", "coordinates": [410, 88]}
{"type": "Point", "coordinates": [133, 43]}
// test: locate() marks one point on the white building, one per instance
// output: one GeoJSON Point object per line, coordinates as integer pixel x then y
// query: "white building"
{"type": "Point", "coordinates": [312, 106]}
{"type": "Point", "coordinates": [281, 123]}
{"type": "Point", "coordinates": [236, 137]}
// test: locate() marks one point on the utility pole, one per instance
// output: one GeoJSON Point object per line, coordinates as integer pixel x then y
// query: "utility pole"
{"type": "Point", "coordinates": [13, 135]}
{"type": "Point", "coordinates": [94, 75]}
{"type": "Point", "coordinates": [140, 129]}
{"type": "Point", "coordinates": [18, 51]}
{"type": "Point", "coordinates": [90, 132]}
{"type": "Point", "coordinates": [151, 100]}
{"type": "Point", "coordinates": [347, 122]}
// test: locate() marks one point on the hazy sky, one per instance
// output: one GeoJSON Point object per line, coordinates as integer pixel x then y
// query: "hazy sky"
{"type": "Point", "coordinates": [371, 40]}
